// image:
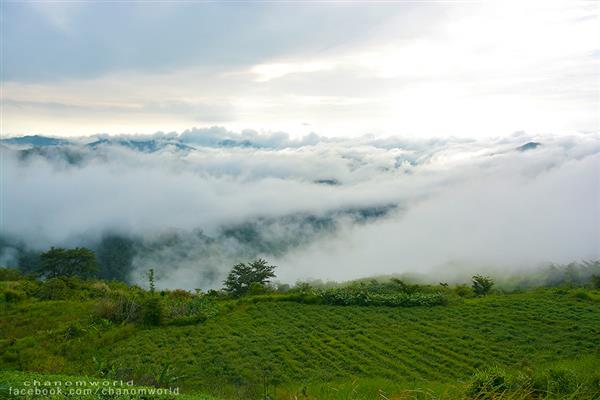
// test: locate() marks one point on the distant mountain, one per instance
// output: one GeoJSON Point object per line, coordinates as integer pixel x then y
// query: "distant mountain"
{"type": "Point", "coordinates": [145, 146]}
{"type": "Point", "coordinates": [36, 141]}
{"type": "Point", "coordinates": [529, 146]}
{"type": "Point", "coordinates": [330, 182]}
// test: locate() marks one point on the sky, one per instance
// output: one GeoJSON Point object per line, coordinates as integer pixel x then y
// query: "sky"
{"type": "Point", "coordinates": [410, 68]}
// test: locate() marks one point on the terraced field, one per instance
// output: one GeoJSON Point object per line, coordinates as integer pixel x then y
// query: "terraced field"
{"type": "Point", "coordinates": [288, 343]}
{"type": "Point", "coordinates": [289, 349]}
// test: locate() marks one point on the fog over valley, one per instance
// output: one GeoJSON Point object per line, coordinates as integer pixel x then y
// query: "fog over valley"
{"type": "Point", "coordinates": [191, 205]}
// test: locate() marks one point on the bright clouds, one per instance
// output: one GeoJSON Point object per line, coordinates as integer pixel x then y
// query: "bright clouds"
{"type": "Point", "coordinates": [432, 69]}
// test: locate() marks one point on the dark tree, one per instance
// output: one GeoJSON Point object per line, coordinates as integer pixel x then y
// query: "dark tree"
{"type": "Point", "coordinates": [68, 262]}
{"type": "Point", "coordinates": [482, 285]}
{"type": "Point", "coordinates": [115, 255]}
{"type": "Point", "coordinates": [242, 276]}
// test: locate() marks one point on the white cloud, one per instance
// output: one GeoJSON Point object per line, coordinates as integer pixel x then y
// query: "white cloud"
{"type": "Point", "coordinates": [485, 69]}
{"type": "Point", "coordinates": [458, 200]}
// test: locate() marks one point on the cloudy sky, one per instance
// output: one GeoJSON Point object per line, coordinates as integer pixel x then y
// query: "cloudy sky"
{"type": "Point", "coordinates": [335, 68]}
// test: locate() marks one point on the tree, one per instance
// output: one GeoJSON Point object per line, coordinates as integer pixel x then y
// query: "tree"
{"type": "Point", "coordinates": [242, 276]}
{"type": "Point", "coordinates": [482, 284]}
{"type": "Point", "coordinates": [115, 256]}
{"type": "Point", "coordinates": [57, 262]}
{"type": "Point", "coordinates": [151, 280]}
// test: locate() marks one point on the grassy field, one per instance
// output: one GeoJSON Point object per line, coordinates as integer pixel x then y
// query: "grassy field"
{"type": "Point", "coordinates": [260, 348]}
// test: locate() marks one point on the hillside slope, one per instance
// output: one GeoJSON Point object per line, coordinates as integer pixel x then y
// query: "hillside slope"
{"type": "Point", "coordinates": [256, 347]}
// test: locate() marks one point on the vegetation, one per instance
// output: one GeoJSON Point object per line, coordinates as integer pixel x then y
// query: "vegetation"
{"type": "Point", "coordinates": [67, 262]}
{"type": "Point", "coordinates": [482, 285]}
{"type": "Point", "coordinates": [244, 277]}
{"type": "Point", "coordinates": [369, 339]}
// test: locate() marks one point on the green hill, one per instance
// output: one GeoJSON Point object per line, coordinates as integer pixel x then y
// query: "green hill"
{"type": "Point", "coordinates": [539, 342]}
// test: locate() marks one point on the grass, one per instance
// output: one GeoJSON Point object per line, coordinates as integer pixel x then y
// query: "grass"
{"type": "Point", "coordinates": [543, 342]}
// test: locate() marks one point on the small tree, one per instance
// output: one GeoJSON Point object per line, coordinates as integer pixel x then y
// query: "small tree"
{"type": "Point", "coordinates": [242, 276]}
{"type": "Point", "coordinates": [68, 262]}
{"type": "Point", "coordinates": [151, 280]}
{"type": "Point", "coordinates": [482, 284]}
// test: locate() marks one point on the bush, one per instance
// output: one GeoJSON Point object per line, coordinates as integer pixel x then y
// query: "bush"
{"type": "Point", "coordinates": [349, 296]}
{"type": "Point", "coordinates": [10, 274]}
{"type": "Point", "coordinates": [179, 294]}
{"type": "Point", "coordinates": [118, 310]}
{"type": "Point", "coordinates": [256, 288]}
{"type": "Point", "coordinates": [582, 295]}
{"type": "Point", "coordinates": [482, 285]}
{"type": "Point", "coordinates": [53, 289]}
{"type": "Point", "coordinates": [13, 296]}
{"type": "Point", "coordinates": [595, 280]}
{"type": "Point", "coordinates": [463, 291]}
{"type": "Point", "coordinates": [488, 383]}
{"type": "Point", "coordinates": [73, 331]}
{"type": "Point", "coordinates": [100, 287]}
{"type": "Point", "coordinates": [152, 312]}
{"type": "Point", "coordinates": [562, 381]}
{"type": "Point", "coordinates": [556, 381]}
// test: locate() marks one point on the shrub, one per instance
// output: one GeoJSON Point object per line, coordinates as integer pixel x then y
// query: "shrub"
{"type": "Point", "coordinates": [179, 294]}
{"type": "Point", "coordinates": [53, 289]}
{"type": "Point", "coordinates": [301, 287]}
{"type": "Point", "coordinates": [72, 331]}
{"type": "Point", "coordinates": [351, 296]}
{"type": "Point", "coordinates": [120, 309]}
{"type": "Point", "coordinates": [556, 381]}
{"type": "Point", "coordinates": [487, 383]}
{"type": "Point", "coordinates": [184, 311]}
{"type": "Point", "coordinates": [582, 295]}
{"type": "Point", "coordinates": [100, 287]}
{"type": "Point", "coordinates": [463, 291]}
{"type": "Point", "coordinates": [152, 312]}
{"type": "Point", "coordinates": [482, 284]}
{"type": "Point", "coordinates": [257, 288]}
{"type": "Point", "coordinates": [595, 280]}
{"type": "Point", "coordinates": [13, 296]}
{"type": "Point", "coordinates": [10, 274]}
{"type": "Point", "coordinates": [562, 381]}
{"type": "Point", "coordinates": [282, 287]}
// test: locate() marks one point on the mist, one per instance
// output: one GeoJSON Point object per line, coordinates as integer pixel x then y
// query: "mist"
{"type": "Point", "coordinates": [194, 204]}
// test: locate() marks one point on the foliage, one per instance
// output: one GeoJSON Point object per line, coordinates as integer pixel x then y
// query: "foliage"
{"type": "Point", "coordinates": [581, 294]}
{"type": "Point", "coordinates": [10, 274]}
{"type": "Point", "coordinates": [119, 309]}
{"type": "Point", "coordinates": [595, 281]}
{"type": "Point", "coordinates": [351, 296]}
{"type": "Point", "coordinates": [464, 291]}
{"type": "Point", "coordinates": [115, 255]}
{"type": "Point", "coordinates": [572, 274]}
{"type": "Point", "coordinates": [13, 296]}
{"type": "Point", "coordinates": [295, 344]}
{"type": "Point", "coordinates": [482, 285]}
{"type": "Point", "coordinates": [67, 262]}
{"type": "Point", "coordinates": [488, 383]}
{"type": "Point", "coordinates": [152, 312]}
{"type": "Point", "coordinates": [151, 280]}
{"type": "Point", "coordinates": [242, 276]}
{"type": "Point", "coordinates": [53, 289]}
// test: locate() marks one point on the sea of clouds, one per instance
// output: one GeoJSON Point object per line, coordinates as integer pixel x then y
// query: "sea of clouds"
{"type": "Point", "coordinates": [327, 208]}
